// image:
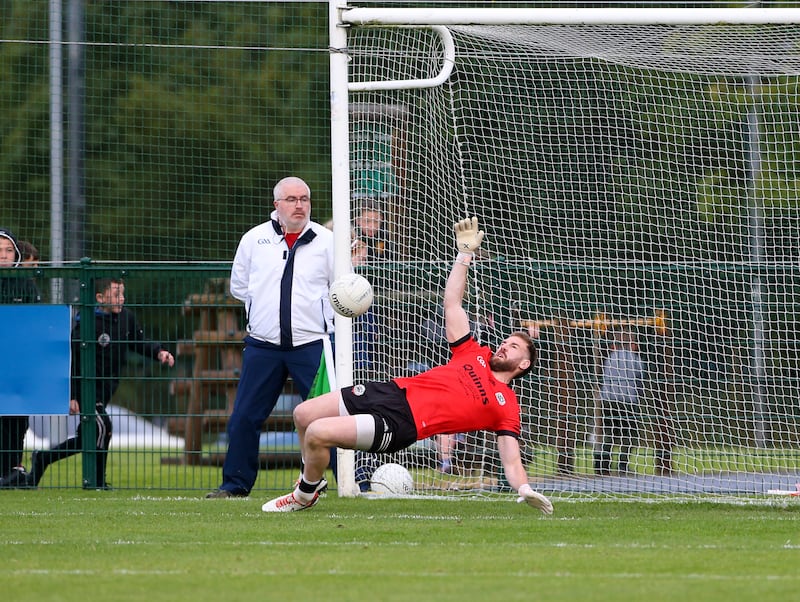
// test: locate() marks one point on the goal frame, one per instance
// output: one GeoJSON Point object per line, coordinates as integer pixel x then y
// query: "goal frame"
{"type": "Point", "coordinates": [342, 17]}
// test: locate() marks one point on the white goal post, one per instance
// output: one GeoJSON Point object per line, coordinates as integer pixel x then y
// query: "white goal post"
{"type": "Point", "coordinates": [637, 173]}
{"type": "Point", "coordinates": [565, 16]}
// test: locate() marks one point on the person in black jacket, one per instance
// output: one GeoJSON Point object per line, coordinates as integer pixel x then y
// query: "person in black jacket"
{"type": "Point", "coordinates": [13, 289]}
{"type": "Point", "coordinates": [117, 332]}
{"type": "Point", "coordinates": [370, 232]}
{"type": "Point", "coordinates": [29, 254]}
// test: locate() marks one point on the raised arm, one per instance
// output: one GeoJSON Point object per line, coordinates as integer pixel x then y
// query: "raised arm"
{"type": "Point", "coordinates": [468, 239]}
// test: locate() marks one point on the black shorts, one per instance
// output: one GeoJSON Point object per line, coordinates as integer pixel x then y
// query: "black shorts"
{"type": "Point", "coordinates": [395, 428]}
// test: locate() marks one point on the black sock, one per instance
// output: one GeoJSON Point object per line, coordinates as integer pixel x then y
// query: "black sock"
{"type": "Point", "coordinates": [307, 487]}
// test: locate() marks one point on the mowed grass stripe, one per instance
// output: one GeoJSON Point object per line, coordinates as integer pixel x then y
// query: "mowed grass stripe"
{"type": "Point", "coordinates": [152, 547]}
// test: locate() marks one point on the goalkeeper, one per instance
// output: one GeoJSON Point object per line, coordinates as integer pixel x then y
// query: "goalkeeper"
{"type": "Point", "coordinates": [469, 393]}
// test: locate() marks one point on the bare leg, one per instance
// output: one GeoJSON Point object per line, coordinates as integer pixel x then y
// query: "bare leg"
{"type": "Point", "coordinates": [312, 409]}
{"type": "Point", "coordinates": [319, 428]}
{"type": "Point", "coordinates": [320, 436]}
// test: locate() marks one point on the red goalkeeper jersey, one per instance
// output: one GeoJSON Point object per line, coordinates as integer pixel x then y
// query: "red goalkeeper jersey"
{"type": "Point", "coordinates": [462, 396]}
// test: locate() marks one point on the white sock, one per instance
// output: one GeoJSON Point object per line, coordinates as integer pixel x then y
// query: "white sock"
{"type": "Point", "coordinates": [304, 496]}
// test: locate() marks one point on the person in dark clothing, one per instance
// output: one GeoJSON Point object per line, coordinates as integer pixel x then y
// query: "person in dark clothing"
{"type": "Point", "coordinates": [14, 289]}
{"type": "Point", "coordinates": [29, 253]}
{"type": "Point", "coordinates": [370, 233]}
{"type": "Point", "coordinates": [13, 428]}
{"type": "Point", "coordinates": [370, 250]}
{"type": "Point", "coordinates": [117, 332]}
{"type": "Point", "coordinates": [623, 375]}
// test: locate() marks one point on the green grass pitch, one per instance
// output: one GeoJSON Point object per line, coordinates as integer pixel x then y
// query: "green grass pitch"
{"type": "Point", "coordinates": [73, 545]}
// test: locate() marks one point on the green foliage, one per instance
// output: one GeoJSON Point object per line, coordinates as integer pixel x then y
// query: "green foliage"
{"type": "Point", "coordinates": [194, 110]}
{"type": "Point", "coordinates": [192, 113]}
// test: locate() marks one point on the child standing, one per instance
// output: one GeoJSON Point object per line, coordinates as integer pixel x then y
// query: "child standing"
{"type": "Point", "coordinates": [117, 332]}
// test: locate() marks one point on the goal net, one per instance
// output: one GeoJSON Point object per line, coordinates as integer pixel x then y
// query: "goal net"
{"type": "Point", "coordinates": [638, 185]}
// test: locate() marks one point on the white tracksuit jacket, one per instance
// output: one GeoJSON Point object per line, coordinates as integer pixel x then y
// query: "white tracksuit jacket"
{"type": "Point", "coordinates": [258, 268]}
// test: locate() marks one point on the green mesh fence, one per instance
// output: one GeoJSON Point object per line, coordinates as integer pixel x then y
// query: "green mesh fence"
{"type": "Point", "coordinates": [168, 422]}
{"type": "Point", "coordinates": [139, 132]}
{"type": "Point", "coordinates": [148, 136]}
{"type": "Point", "coordinates": [178, 119]}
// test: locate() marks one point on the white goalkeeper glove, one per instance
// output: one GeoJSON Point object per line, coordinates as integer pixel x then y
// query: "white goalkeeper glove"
{"type": "Point", "coordinates": [535, 499]}
{"type": "Point", "coordinates": [468, 237]}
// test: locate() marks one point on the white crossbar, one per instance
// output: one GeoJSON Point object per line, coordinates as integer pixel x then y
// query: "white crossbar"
{"type": "Point", "coordinates": [568, 16]}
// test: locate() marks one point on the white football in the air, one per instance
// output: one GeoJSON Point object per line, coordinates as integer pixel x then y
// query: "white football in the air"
{"type": "Point", "coordinates": [350, 295]}
{"type": "Point", "coordinates": [393, 479]}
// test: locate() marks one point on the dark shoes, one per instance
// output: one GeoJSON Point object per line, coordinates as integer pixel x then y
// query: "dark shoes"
{"type": "Point", "coordinates": [103, 487]}
{"type": "Point", "coordinates": [16, 479]}
{"type": "Point", "coordinates": [223, 493]}
{"type": "Point", "coordinates": [37, 470]}
{"type": "Point", "coordinates": [19, 478]}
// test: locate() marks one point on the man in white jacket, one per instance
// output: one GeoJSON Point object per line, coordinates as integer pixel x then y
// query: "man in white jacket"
{"type": "Point", "coordinates": [282, 271]}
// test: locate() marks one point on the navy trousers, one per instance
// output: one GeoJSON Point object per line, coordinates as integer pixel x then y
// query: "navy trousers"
{"type": "Point", "coordinates": [265, 368]}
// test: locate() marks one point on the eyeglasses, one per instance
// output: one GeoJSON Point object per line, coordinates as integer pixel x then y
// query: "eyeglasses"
{"type": "Point", "coordinates": [293, 200]}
